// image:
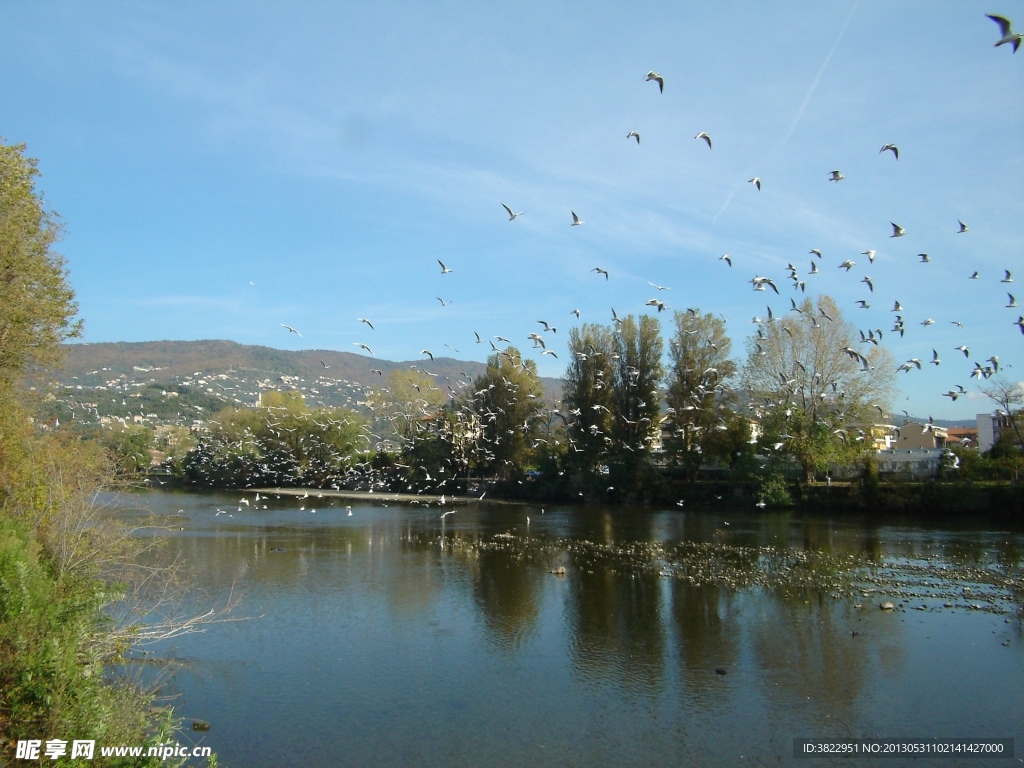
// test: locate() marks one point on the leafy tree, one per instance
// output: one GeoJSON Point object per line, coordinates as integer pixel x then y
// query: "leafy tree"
{"type": "Point", "coordinates": [507, 399]}
{"type": "Point", "coordinates": [409, 397]}
{"type": "Point", "coordinates": [129, 444]}
{"type": "Point", "coordinates": [36, 302]}
{"type": "Point", "coordinates": [636, 399]}
{"type": "Point", "coordinates": [813, 390]}
{"type": "Point", "coordinates": [587, 394]}
{"type": "Point", "coordinates": [280, 442]}
{"type": "Point", "coordinates": [698, 394]}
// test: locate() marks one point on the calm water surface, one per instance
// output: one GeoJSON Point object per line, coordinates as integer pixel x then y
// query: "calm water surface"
{"type": "Point", "coordinates": [392, 637]}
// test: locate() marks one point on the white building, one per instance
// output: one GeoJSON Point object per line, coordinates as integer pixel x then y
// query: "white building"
{"type": "Point", "coordinates": [990, 426]}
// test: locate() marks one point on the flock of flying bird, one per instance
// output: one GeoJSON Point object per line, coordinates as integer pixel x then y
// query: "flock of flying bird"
{"type": "Point", "coordinates": [763, 283]}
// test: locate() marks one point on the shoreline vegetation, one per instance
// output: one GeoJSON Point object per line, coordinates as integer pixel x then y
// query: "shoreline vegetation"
{"type": "Point", "coordinates": [79, 592]}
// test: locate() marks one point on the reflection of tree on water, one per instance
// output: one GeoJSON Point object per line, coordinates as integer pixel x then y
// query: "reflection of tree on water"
{"type": "Point", "coordinates": [507, 591]}
{"type": "Point", "coordinates": [617, 635]}
{"type": "Point", "coordinates": [708, 636]}
{"type": "Point", "coordinates": [807, 651]}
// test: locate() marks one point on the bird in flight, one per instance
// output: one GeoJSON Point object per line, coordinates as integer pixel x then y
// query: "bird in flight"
{"type": "Point", "coordinates": [816, 252]}
{"type": "Point", "coordinates": [1007, 278]}
{"type": "Point", "coordinates": [549, 352]}
{"type": "Point", "coordinates": [725, 257]}
{"type": "Point", "coordinates": [836, 176]}
{"type": "Point", "coordinates": [377, 371]}
{"type": "Point", "coordinates": [547, 327]}
{"type": "Point", "coordinates": [756, 181]}
{"type": "Point", "coordinates": [292, 330]}
{"type": "Point", "coordinates": [575, 312]}
{"type": "Point", "coordinates": [444, 269]}
{"type": "Point", "coordinates": [974, 276]}
{"type": "Point", "coordinates": [661, 305]}
{"type": "Point", "coordinates": [364, 320]}
{"type": "Point", "coordinates": [896, 307]}
{"type": "Point", "coordinates": [867, 281]}
{"type": "Point", "coordinates": [964, 349]}
{"type": "Point", "coordinates": [963, 227]}
{"type": "Point", "coordinates": [659, 287]}
{"type": "Point", "coordinates": [897, 230]}
{"type": "Point", "coordinates": [325, 365]}
{"type": "Point", "coordinates": [925, 258]}
{"type": "Point", "coordinates": [870, 255]}
{"type": "Point", "coordinates": [358, 344]}
{"type": "Point", "coordinates": [511, 215]}
{"type": "Point", "coordinates": [1012, 302]}
{"type": "Point", "coordinates": [848, 265]}
{"type": "Point", "coordinates": [428, 353]}
{"type": "Point", "coordinates": [443, 302]}
{"type": "Point", "coordinates": [576, 220]}
{"type": "Point", "coordinates": [1005, 29]}
{"type": "Point", "coordinates": [634, 135]}
{"type": "Point", "coordinates": [601, 272]}
{"type": "Point", "coordinates": [704, 135]}
{"type": "Point", "coordinates": [891, 148]}
{"type": "Point", "coordinates": [659, 79]}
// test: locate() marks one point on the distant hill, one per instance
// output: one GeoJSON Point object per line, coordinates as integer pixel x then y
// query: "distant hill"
{"type": "Point", "coordinates": [182, 358]}
{"type": "Point", "coordinates": [172, 360]}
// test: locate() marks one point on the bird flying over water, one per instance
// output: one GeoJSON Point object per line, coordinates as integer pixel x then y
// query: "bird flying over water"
{"type": "Point", "coordinates": [1006, 30]}
{"type": "Point", "coordinates": [652, 75]}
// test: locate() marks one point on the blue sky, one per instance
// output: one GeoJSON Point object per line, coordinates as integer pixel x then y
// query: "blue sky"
{"type": "Point", "coordinates": [330, 153]}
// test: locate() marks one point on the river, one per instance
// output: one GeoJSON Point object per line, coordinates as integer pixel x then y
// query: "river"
{"type": "Point", "coordinates": [393, 636]}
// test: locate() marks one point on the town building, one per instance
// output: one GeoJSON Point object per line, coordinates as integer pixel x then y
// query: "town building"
{"type": "Point", "coordinates": [912, 435]}
{"type": "Point", "coordinates": [990, 427]}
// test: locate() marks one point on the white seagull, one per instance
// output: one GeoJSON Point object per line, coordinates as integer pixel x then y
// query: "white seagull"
{"type": "Point", "coordinates": [512, 216]}
{"type": "Point", "coordinates": [1005, 29]}
{"type": "Point", "coordinates": [963, 227]}
{"type": "Point", "coordinates": [704, 135]}
{"type": "Point", "coordinates": [835, 176]}
{"type": "Point", "coordinates": [756, 181]}
{"type": "Point", "coordinates": [897, 230]}
{"type": "Point", "coordinates": [364, 320]}
{"type": "Point", "coordinates": [359, 344]}
{"type": "Point", "coordinates": [652, 75]}
{"type": "Point", "coordinates": [444, 269]}
{"type": "Point", "coordinates": [633, 135]}
{"type": "Point", "coordinates": [292, 330]}
{"type": "Point", "coordinates": [576, 220]}
{"type": "Point", "coordinates": [892, 148]}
